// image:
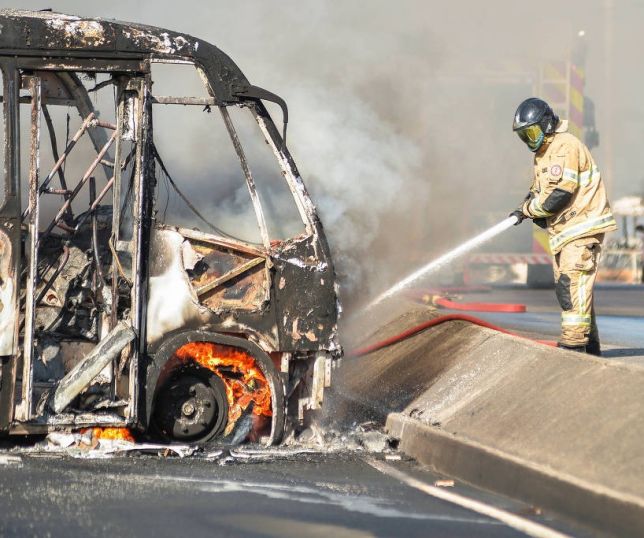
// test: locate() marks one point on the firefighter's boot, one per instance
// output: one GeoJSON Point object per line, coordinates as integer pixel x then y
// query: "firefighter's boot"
{"type": "Point", "coordinates": [593, 348]}
{"type": "Point", "coordinates": [580, 349]}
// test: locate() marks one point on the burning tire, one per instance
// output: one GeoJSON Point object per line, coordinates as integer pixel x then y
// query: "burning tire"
{"type": "Point", "coordinates": [192, 406]}
{"type": "Point", "coordinates": [209, 390]}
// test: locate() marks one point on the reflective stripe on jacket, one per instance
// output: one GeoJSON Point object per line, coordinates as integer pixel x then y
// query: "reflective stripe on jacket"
{"type": "Point", "coordinates": [564, 165]}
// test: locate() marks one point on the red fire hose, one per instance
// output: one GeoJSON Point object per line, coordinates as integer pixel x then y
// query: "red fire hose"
{"type": "Point", "coordinates": [360, 352]}
{"type": "Point", "coordinates": [480, 307]}
{"type": "Point", "coordinates": [439, 297]}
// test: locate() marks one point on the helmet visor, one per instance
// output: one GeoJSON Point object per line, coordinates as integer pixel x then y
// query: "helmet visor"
{"type": "Point", "coordinates": [532, 135]}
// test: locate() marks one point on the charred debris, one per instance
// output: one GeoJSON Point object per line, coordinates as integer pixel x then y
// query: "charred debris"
{"type": "Point", "coordinates": [137, 289]}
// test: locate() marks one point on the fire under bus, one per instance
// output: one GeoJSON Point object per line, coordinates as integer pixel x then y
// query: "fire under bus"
{"type": "Point", "coordinates": [176, 285]}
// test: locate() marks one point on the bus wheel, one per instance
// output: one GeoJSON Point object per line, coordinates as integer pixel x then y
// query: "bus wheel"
{"type": "Point", "coordinates": [191, 406]}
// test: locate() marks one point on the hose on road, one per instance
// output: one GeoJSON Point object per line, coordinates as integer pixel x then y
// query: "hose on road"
{"type": "Point", "coordinates": [513, 308]}
{"type": "Point", "coordinates": [365, 350]}
{"type": "Point", "coordinates": [440, 297]}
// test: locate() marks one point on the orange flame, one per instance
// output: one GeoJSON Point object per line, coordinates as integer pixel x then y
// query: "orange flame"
{"type": "Point", "coordinates": [246, 385]}
{"type": "Point", "coordinates": [117, 434]}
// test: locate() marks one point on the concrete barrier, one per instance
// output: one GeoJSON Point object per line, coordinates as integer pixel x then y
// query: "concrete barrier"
{"type": "Point", "coordinates": [559, 429]}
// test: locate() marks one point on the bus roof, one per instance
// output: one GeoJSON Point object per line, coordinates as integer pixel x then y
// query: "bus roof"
{"type": "Point", "coordinates": [24, 32]}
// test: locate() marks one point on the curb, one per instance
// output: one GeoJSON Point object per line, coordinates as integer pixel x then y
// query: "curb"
{"type": "Point", "coordinates": [591, 504]}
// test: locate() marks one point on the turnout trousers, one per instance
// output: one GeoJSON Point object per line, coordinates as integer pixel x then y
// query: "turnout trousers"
{"type": "Point", "coordinates": [575, 269]}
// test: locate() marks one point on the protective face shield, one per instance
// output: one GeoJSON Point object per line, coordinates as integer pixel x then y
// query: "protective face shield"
{"type": "Point", "coordinates": [533, 121]}
{"type": "Point", "coordinates": [532, 135]}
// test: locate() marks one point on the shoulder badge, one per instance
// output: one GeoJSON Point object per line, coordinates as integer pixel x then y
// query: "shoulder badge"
{"type": "Point", "coordinates": [556, 170]}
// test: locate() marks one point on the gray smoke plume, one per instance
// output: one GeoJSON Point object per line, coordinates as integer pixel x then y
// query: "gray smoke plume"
{"type": "Point", "coordinates": [401, 112]}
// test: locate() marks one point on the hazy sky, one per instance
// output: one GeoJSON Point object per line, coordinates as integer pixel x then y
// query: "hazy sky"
{"type": "Point", "coordinates": [401, 111]}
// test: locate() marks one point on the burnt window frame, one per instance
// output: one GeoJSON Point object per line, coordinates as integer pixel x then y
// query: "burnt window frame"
{"type": "Point", "coordinates": [232, 135]}
{"type": "Point", "coordinates": [11, 219]}
{"type": "Point", "coordinates": [290, 172]}
{"type": "Point", "coordinates": [11, 162]}
{"type": "Point", "coordinates": [21, 404]}
{"type": "Point", "coordinates": [7, 180]}
{"type": "Point", "coordinates": [268, 130]}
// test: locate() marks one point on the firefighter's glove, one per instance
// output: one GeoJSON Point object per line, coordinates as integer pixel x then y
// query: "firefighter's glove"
{"type": "Point", "coordinates": [519, 215]}
{"type": "Point", "coordinates": [542, 223]}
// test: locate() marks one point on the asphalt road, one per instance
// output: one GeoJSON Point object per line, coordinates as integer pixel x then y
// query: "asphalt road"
{"type": "Point", "coordinates": [323, 495]}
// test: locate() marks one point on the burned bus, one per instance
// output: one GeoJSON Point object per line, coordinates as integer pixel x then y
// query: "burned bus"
{"type": "Point", "coordinates": [163, 267]}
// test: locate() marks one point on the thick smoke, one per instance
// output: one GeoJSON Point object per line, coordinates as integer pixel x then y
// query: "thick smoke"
{"type": "Point", "coordinates": [363, 177]}
{"type": "Point", "coordinates": [401, 113]}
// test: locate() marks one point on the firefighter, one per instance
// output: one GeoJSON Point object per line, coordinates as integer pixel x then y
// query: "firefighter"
{"type": "Point", "coordinates": [568, 199]}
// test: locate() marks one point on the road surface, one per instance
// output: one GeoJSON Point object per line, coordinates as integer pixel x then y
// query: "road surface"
{"type": "Point", "coordinates": [313, 494]}
{"type": "Point", "coordinates": [339, 495]}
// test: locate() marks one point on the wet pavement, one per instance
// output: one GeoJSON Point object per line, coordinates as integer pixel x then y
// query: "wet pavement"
{"type": "Point", "coordinates": [338, 495]}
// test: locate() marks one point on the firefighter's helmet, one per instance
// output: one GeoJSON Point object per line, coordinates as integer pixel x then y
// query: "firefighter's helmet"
{"type": "Point", "coordinates": [533, 121]}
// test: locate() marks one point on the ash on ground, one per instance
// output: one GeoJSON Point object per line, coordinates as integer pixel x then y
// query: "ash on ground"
{"type": "Point", "coordinates": [367, 437]}
{"type": "Point", "coordinates": [314, 441]}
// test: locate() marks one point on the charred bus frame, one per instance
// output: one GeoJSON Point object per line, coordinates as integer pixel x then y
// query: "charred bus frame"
{"type": "Point", "coordinates": [274, 302]}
